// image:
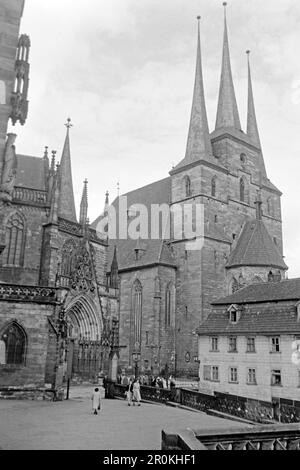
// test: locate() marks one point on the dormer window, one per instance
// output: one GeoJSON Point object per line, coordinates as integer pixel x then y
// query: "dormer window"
{"type": "Point", "coordinates": [234, 314]}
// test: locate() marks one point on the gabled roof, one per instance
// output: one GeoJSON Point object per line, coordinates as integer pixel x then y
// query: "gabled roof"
{"type": "Point", "coordinates": [288, 289]}
{"type": "Point", "coordinates": [30, 172]}
{"type": "Point", "coordinates": [255, 247]}
{"type": "Point", "coordinates": [266, 321]}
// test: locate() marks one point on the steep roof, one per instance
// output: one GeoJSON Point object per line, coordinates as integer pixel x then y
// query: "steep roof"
{"type": "Point", "coordinates": [227, 114]}
{"type": "Point", "coordinates": [152, 251]}
{"type": "Point", "coordinates": [66, 208]}
{"type": "Point", "coordinates": [267, 320]}
{"type": "Point", "coordinates": [264, 292]}
{"type": "Point", "coordinates": [255, 247]}
{"type": "Point", "coordinates": [30, 172]}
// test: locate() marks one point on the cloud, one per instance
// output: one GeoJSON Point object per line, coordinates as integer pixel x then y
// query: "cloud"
{"type": "Point", "coordinates": [124, 71]}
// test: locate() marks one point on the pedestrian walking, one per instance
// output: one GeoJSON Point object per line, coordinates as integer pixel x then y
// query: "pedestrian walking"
{"type": "Point", "coordinates": [96, 401]}
{"type": "Point", "coordinates": [136, 390]}
{"type": "Point", "coordinates": [129, 391]}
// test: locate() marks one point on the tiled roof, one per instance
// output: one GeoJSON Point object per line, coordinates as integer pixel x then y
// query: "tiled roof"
{"type": "Point", "coordinates": [255, 247]}
{"type": "Point", "coordinates": [152, 251]}
{"type": "Point", "coordinates": [30, 172]}
{"type": "Point", "coordinates": [265, 320]}
{"type": "Point", "coordinates": [264, 292]}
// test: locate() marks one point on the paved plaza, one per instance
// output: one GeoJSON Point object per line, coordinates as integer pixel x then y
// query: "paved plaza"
{"type": "Point", "coordinates": [70, 425]}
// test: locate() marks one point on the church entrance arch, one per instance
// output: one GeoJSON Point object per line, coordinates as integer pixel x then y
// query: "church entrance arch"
{"type": "Point", "coordinates": [84, 334]}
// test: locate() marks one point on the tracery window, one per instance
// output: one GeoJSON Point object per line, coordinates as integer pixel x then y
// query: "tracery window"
{"type": "Point", "coordinates": [137, 299]}
{"type": "Point", "coordinates": [214, 186]}
{"type": "Point", "coordinates": [13, 345]}
{"type": "Point", "coordinates": [13, 254]}
{"type": "Point", "coordinates": [188, 187]}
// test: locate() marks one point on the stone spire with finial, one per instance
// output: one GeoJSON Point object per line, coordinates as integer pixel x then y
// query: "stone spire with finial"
{"type": "Point", "coordinates": [67, 203]}
{"type": "Point", "coordinates": [198, 143]}
{"type": "Point", "coordinates": [227, 114]}
{"type": "Point", "coordinates": [84, 204]}
{"type": "Point", "coordinates": [252, 128]}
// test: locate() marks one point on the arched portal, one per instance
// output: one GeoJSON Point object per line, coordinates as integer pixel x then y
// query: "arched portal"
{"type": "Point", "coordinates": [84, 335]}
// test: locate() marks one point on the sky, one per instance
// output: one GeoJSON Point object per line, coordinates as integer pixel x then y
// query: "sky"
{"type": "Point", "coordinates": [123, 70]}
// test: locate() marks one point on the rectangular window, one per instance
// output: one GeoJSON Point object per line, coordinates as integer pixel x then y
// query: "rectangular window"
{"type": "Point", "coordinates": [233, 375]}
{"type": "Point", "coordinates": [214, 344]}
{"type": "Point", "coordinates": [215, 374]}
{"type": "Point", "coordinates": [275, 344]}
{"type": "Point", "coordinates": [251, 377]}
{"type": "Point", "coordinates": [207, 372]}
{"type": "Point", "coordinates": [232, 344]}
{"type": "Point", "coordinates": [276, 378]}
{"type": "Point", "coordinates": [250, 345]}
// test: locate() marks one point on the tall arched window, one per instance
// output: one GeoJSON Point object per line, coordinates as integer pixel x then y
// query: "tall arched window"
{"type": "Point", "coordinates": [68, 258]}
{"type": "Point", "coordinates": [188, 187]}
{"type": "Point", "coordinates": [168, 302]}
{"type": "Point", "coordinates": [13, 344]}
{"type": "Point", "coordinates": [137, 300]}
{"type": "Point", "coordinates": [214, 186]}
{"type": "Point", "coordinates": [242, 190]}
{"type": "Point", "coordinates": [269, 206]}
{"type": "Point", "coordinates": [13, 254]}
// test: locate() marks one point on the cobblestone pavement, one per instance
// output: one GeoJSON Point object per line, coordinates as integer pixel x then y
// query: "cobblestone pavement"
{"type": "Point", "coordinates": [70, 425]}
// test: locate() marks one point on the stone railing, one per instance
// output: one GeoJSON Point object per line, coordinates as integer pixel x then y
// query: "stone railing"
{"type": "Point", "coordinates": [160, 395]}
{"type": "Point", "coordinates": [72, 228]}
{"type": "Point", "coordinates": [28, 293]}
{"type": "Point", "coordinates": [31, 196]}
{"type": "Point", "coordinates": [278, 437]}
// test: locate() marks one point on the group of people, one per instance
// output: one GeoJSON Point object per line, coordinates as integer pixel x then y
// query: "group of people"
{"type": "Point", "coordinates": [150, 381]}
{"type": "Point", "coordinates": [133, 392]}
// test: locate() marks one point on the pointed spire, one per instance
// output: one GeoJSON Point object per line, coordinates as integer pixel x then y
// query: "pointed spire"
{"type": "Point", "coordinates": [106, 205]}
{"type": "Point", "coordinates": [227, 114]}
{"type": "Point", "coordinates": [84, 204]}
{"type": "Point", "coordinates": [114, 270]}
{"type": "Point", "coordinates": [198, 144]}
{"type": "Point", "coordinates": [66, 203]}
{"type": "Point", "coordinates": [252, 128]}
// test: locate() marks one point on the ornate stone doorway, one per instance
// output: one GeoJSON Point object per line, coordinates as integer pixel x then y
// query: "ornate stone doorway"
{"type": "Point", "coordinates": [84, 335]}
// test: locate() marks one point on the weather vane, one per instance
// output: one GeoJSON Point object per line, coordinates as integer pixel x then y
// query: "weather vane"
{"type": "Point", "coordinates": [68, 123]}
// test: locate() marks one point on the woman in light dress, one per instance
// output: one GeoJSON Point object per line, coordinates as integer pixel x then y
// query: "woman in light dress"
{"type": "Point", "coordinates": [96, 401]}
{"type": "Point", "coordinates": [136, 392]}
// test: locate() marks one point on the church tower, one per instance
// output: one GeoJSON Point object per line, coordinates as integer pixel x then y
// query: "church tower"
{"type": "Point", "coordinates": [221, 172]}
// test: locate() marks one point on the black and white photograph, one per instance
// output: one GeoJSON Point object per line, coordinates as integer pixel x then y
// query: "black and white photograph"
{"type": "Point", "coordinates": [149, 228]}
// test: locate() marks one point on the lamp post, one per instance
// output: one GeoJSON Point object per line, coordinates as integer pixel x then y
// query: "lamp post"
{"type": "Point", "coordinates": [136, 355]}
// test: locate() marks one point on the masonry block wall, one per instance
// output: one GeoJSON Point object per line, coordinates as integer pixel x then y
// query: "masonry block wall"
{"type": "Point", "coordinates": [28, 273]}
{"type": "Point", "coordinates": [33, 318]}
{"type": "Point", "coordinates": [158, 339]}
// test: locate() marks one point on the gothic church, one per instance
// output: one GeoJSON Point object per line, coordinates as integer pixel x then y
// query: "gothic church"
{"type": "Point", "coordinates": [166, 290]}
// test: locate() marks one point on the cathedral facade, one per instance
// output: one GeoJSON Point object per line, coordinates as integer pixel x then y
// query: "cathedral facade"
{"type": "Point", "coordinates": [167, 288]}
{"type": "Point", "coordinates": [58, 309]}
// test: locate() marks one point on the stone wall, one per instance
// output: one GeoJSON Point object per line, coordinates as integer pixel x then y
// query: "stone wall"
{"type": "Point", "coordinates": [158, 341]}
{"type": "Point", "coordinates": [33, 318]}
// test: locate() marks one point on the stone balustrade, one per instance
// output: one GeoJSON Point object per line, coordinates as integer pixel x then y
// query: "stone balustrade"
{"type": "Point", "coordinates": [31, 196]}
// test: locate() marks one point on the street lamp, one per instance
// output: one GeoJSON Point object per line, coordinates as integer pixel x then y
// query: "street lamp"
{"type": "Point", "coordinates": [136, 355]}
